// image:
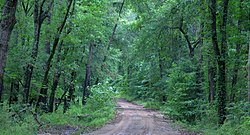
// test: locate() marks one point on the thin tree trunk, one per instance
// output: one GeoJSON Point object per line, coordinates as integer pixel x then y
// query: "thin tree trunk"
{"type": "Point", "coordinates": [39, 16]}
{"type": "Point", "coordinates": [113, 33]}
{"type": "Point", "coordinates": [14, 90]}
{"type": "Point", "coordinates": [44, 90]}
{"type": "Point", "coordinates": [29, 68]}
{"type": "Point", "coordinates": [72, 86]}
{"type": "Point", "coordinates": [58, 70]}
{"type": "Point", "coordinates": [130, 72]}
{"type": "Point", "coordinates": [116, 24]}
{"type": "Point", "coordinates": [55, 80]}
{"type": "Point", "coordinates": [47, 41]}
{"type": "Point", "coordinates": [248, 70]}
{"type": "Point", "coordinates": [87, 75]}
{"type": "Point", "coordinates": [7, 23]}
{"type": "Point", "coordinates": [60, 100]}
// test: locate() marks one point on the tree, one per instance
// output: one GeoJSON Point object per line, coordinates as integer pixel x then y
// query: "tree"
{"type": "Point", "coordinates": [39, 17]}
{"type": "Point", "coordinates": [7, 22]}
{"type": "Point", "coordinates": [249, 72]}
{"type": "Point", "coordinates": [220, 54]}
{"type": "Point", "coordinates": [86, 83]}
{"type": "Point", "coordinates": [44, 90]}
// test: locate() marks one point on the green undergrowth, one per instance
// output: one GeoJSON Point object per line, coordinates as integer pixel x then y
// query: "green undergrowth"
{"type": "Point", "coordinates": [236, 123]}
{"type": "Point", "coordinates": [99, 109]}
{"type": "Point", "coordinates": [15, 120]}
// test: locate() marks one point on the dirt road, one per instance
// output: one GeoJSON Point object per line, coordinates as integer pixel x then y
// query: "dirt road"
{"type": "Point", "coordinates": [135, 120]}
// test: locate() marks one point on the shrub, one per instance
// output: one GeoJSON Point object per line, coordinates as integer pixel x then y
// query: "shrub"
{"type": "Point", "coordinates": [99, 108]}
{"type": "Point", "coordinates": [16, 122]}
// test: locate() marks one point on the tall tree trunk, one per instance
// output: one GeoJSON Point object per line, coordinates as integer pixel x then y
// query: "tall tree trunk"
{"type": "Point", "coordinates": [87, 75]}
{"type": "Point", "coordinates": [211, 70]}
{"type": "Point", "coordinates": [14, 90]}
{"type": "Point", "coordinates": [44, 90]}
{"type": "Point", "coordinates": [55, 80]}
{"type": "Point", "coordinates": [116, 24]}
{"type": "Point", "coordinates": [39, 16]}
{"type": "Point", "coordinates": [222, 67]}
{"type": "Point", "coordinates": [47, 41]}
{"type": "Point", "coordinates": [113, 33]}
{"type": "Point", "coordinates": [248, 70]}
{"type": "Point", "coordinates": [58, 70]}
{"type": "Point", "coordinates": [72, 86]}
{"type": "Point", "coordinates": [7, 23]}
{"type": "Point", "coordinates": [29, 68]}
{"type": "Point", "coordinates": [221, 56]}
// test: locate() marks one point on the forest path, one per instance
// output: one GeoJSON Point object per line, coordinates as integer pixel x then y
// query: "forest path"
{"type": "Point", "coordinates": [135, 120]}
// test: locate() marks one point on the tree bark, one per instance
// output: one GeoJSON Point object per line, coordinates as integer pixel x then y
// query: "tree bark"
{"type": "Point", "coordinates": [222, 67]}
{"type": "Point", "coordinates": [47, 42]}
{"type": "Point", "coordinates": [58, 70]}
{"type": "Point", "coordinates": [113, 32]}
{"type": "Point", "coordinates": [55, 80]}
{"type": "Point", "coordinates": [116, 24]}
{"type": "Point", "coordinates": [72, 86]}
{"type": "Point", "coordinates": [44, 90]}
{"type": "Point", "coordinates": [87, 75]}
{"type": "Point", "coordinates": [14, 90]}
{"type": "Point", "coordinates": [191, 45]}
{"type": "Point", "coordinates": [248, 70]}
{"type": "Point", "coordinates": [39, 16]}
{"type": "Point", "coordinates": [221, 57]}
{"type": "Point", "coordinates": [7, 23]}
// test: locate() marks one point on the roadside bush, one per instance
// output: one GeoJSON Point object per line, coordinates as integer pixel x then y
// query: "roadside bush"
{"type": "Point", "coordinates": [238, 120]}
{"type": "Point", "coordinates": [181, 92]}
{"type": "Point", "coordinates": [99, 108]}
{"type": "Point", "coordinates": [15, 122]}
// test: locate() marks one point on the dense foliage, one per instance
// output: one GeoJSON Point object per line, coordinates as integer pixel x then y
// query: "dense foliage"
{"type": "Point", "coordinates": [189, 59]}
{"type": "Point", "coordinates": [62, 62]}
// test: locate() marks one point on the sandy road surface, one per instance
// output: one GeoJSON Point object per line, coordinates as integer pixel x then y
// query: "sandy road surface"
{"type": "Point", "coordinates": [135, 120]}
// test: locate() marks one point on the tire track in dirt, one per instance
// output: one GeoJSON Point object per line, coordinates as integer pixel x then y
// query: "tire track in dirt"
{"type": "Point", "coordinates": [136, 120]}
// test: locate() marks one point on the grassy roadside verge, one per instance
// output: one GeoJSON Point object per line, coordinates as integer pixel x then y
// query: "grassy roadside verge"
{"type": "Point", "coordinates": [99, 110]}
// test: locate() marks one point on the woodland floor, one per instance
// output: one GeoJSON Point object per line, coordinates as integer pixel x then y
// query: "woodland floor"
{"type": "Point", "coordinates": [134, 119]}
